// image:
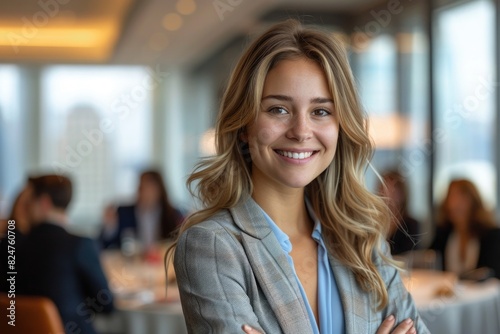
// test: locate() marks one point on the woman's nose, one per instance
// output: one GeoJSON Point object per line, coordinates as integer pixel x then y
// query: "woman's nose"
{"type": "Point", "coordinates": [300, 128]}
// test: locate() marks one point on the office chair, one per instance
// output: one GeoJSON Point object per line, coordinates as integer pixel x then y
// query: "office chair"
{"type": "Point", "coordinates": [33, 314]}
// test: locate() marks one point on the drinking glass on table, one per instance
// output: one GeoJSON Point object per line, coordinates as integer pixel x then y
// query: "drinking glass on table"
{"type": "Point", "coordinates": [129, 243]}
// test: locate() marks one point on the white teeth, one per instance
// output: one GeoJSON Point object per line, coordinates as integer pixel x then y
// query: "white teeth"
{"type": "Point", "coordinates": [295, 155]}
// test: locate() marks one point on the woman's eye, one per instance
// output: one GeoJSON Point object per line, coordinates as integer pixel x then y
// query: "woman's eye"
{"type": "Point", "coordinates": [278, 111]}
{"type": "Point", "coordinates": [321, 112]}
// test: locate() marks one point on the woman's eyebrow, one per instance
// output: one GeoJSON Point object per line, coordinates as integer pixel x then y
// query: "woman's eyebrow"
{"type": "Point", "coordinates": [290, 99]}
{"type": "Point", "coordinates": [278, 97]}
{"type": "Point", "coordinates": [321, 100]}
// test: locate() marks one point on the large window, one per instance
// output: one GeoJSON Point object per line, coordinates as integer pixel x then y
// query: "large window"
{"type": "Point", "coordinates": [376, 72]}
{"type": "Point", "coordinates": [413, 69]}
{"type": "Point", "coordinates": [11, 136]}
{"type": "Point", "coordinates": [465, 97]}
{"type": "Point", "coordinates": [96, 127]}
{"type": "Point", "coordinates": [392, 70]}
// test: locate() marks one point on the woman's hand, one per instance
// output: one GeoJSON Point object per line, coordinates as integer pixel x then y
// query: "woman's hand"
{"type": "Point", "coordinates": [249, 330]}
{"type": "Point", "coordinates": [405, 327]}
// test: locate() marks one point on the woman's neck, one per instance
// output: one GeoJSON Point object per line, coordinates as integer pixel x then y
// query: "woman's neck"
{"type": "Point", "coordinates": [286, 207]}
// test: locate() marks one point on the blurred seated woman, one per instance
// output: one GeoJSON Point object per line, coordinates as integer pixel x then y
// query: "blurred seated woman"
{"type": "Point", "coordinates": [403, 233]}
{"type": "Point", "coordinates": [19, 222]}
{"type": "Point", "coordinates": [150, 219]}
{"type": "Point", "coordinates": [466, 236]}
{"type": "Point", "coordinates": [19, 212]}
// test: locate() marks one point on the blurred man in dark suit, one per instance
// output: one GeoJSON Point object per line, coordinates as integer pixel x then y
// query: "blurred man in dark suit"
{"type": "Point", "coordinates": [54, 263]}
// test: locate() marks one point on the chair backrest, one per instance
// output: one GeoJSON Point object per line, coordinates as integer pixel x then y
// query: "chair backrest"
{"type": "Point", "coordinates": [32, 314]}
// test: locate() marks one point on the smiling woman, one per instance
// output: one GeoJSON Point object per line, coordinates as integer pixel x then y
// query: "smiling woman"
{"type": "Point", "coordinates": [290, 239]}
{"type": "Point", "coordinates": [300, 127]}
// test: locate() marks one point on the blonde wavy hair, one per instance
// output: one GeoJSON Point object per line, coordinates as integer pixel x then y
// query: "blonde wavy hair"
{"type": "Point", "coordinates": [354, 221]}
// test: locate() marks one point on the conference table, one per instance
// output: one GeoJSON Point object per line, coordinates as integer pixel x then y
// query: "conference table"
{"type": "Point", "coordinates": [448, 305]}
{"type": "Point", "coordinates": [145, 305]}
{"type": "Point", "coordinates": [144, 302]}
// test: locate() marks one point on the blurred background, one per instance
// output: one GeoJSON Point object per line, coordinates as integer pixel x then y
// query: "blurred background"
{"type": "Point", "coordinates": [101, 90]}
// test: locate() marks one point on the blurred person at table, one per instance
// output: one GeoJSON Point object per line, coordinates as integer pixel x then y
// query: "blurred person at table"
{"type": "Point", "coordinates": [53, 263]}
{"type": "Point", "coordinates": [466, 235]}
{"type": "Point", "coordinates": [19, 213]}
{"type": "Point", "coordinates": [403, 232]}
{"type": "Point", "coordinates": [290, 240]}
{"type": "Point", "coordinates": [18, 223]}
{"type": "Point", "coordinates": [150, 219]}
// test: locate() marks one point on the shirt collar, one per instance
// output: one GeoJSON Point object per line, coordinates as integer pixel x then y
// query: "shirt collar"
{"type": "Point", "coordinates": [283, 239]}
{"type": "Point", "coordinates": [316, 234]}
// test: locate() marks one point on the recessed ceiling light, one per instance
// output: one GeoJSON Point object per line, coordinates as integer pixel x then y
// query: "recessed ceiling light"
{"type": "Point", "coordinates": [172, 21]}
{"type": "Point", "coordinates": [186, 7]}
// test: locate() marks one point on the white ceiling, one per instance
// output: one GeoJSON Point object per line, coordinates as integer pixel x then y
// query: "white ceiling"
{"type": "Point", "coordinates": [205, 30]}
{"type": "Point", "coordinates": [136, 33]}
{"type": "Point", "coordinates": [60, 30]}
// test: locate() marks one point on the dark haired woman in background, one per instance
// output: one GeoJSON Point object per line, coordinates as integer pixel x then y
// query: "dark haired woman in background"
{"type": "Point", "coordinates": [466, 236]}
{"type": "Point", "coordinates": [403, 232]}
{"type": "Point", "coordinates": [19, 212]}
{"type": "Point", "coordinates": [150, 219]}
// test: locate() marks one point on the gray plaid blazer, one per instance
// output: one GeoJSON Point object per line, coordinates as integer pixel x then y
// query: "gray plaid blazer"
{"type": "Point", "coordinates": [231, 271]}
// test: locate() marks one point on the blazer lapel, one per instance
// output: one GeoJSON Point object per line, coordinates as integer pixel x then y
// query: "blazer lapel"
{"type": "Point", "coordinates": [355, 302]}
{"type": "Point", "coordinates": [271, 268]}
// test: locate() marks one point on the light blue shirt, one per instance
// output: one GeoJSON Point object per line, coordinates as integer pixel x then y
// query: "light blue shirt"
{"type": "Point", "coordinates": [331, 313]}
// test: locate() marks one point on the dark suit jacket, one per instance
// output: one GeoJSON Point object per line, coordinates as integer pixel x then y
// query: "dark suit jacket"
{"type": "Point", "coordinates": [127, 219]}
{"type": "Point", "coordinates": [400, 241]}
{"type": "Point", "coordinates": [65, 268]}
{"type": "Point", "coordinates": [489, 249]}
